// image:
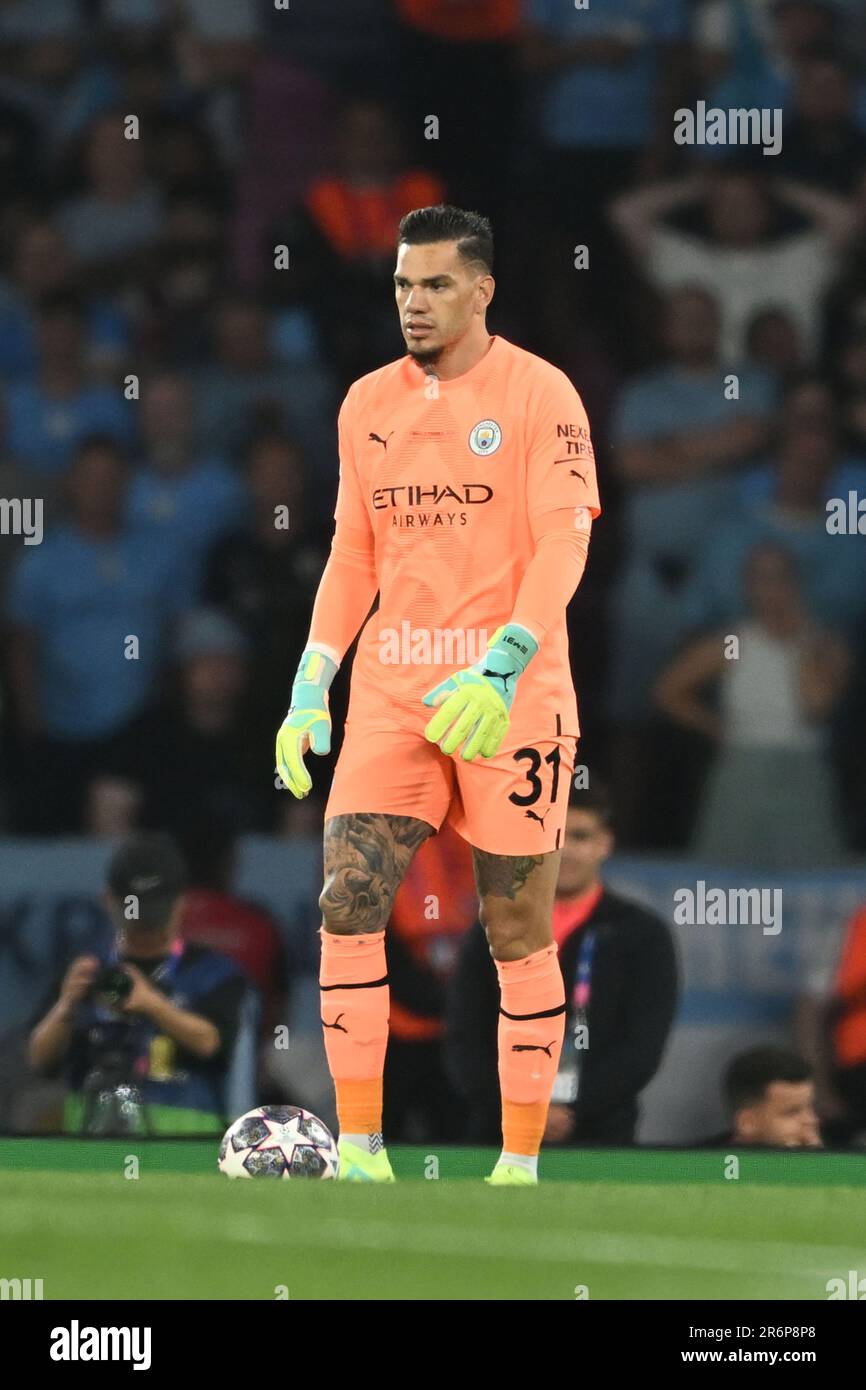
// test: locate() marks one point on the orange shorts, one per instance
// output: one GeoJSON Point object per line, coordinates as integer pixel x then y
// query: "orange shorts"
{"type": "Point", "coordinates": [514, 803]}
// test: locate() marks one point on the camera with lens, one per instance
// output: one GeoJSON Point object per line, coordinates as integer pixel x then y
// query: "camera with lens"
{"type": "Point", "coordinates": [113, 985]}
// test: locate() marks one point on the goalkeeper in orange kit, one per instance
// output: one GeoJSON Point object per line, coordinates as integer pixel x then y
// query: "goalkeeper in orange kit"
{"type": "Point", "coordinates": [467, 492]}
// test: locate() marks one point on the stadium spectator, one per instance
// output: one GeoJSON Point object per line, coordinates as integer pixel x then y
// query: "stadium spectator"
{"type": "Point", "coordinates": [619, 966]}
{"type": "Point", "coordinates": [219, 46]}
{"type": "Point", "coordinates": [347, 48]}
{"type": "Point", "coordinates": [144, 1034]}
{"type": "Point", "coordinates": [436, 904]}
{"type": "Point", "coordinates": [774, 343]}
{"type": "Point", "coordinates": [133, 22]}
{"type": "Point", "coordinates": [751, 242]}
{"type": "Point", "coordinates": [344, 225]}
{"type": "Point", "coordinates": [837, 1037]}
{"type": "Point", "coordinates": [769, 1096]}
{"type": "Point", "coordinates": [52, 75]}
{"type": "Point", "coordinates": [215, 917]}
{"type": "Point", "coordinates": [771, 800]}
{"type": "Point", "coordinates": [247, 388]}
{"type": "Point", "coordinates": [112, 224]}
{"type": "Point", "coordinates": [603, 84]}
{"type": "Point", "coordinates": [464, 21]}
{"type": "Point", "coordinates": [356, 208]}
{"type": "Point", "coordinates": [459, 61]}
{"type": "Point", "coordinates": [678, 441]}
{"type": "Point", "coordinates": [287, 118]}
{"type": "Point", "coordinates": [40, 266]}
{"type": "Point", "coordinates": [793, 516]}
{"type": "Point", "coordinates": [852, 356]}
{"type": "Point", "coordinates": [49, 412]}
{"type": "Point", "coordinates": [731, 42]}
{"type": "Point", "coordinates": [183, 498]}
{"type": "Point", "coordinates": [823, 144]}
{"type": "Point", "coordinates": [87, 611]}
{"type": "Point", "coordinates": [265, 573]}
{"type": "Point", "coordinates": [854, 426]}
{"type": "Point", "coordinates": [851, 379]}
{"type": "Point", "coordinates": [845, 300]}
{"type": "Point", "coordinates": [184, 160]}
{"type": "Point", "coordinates": [186, 280]}
{"type": "Point", "coordinates": [811, 401]}
{"type": "Point", "coordinates": [750, 53]}
{"type": "Point", "coordinates": [610, 87]}
{"type": "Point", "coordinates": [198, 741]}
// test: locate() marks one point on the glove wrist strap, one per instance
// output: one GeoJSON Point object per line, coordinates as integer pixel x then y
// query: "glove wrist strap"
{"type": "Point", "coordinates": [518, 642]}
{"type": "Point", "coordinates": [315, 668]}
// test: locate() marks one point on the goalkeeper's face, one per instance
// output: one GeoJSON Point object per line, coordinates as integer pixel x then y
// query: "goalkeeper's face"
{"type": "Point", "coordinates": [440, 298]}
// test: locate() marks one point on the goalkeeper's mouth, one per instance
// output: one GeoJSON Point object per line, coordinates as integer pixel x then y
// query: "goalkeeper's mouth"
{"type": "Point", "coordinates": [416, 328]}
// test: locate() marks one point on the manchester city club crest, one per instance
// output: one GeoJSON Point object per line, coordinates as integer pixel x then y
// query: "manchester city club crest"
{"type": "Point", "coordinates": [485, 438]}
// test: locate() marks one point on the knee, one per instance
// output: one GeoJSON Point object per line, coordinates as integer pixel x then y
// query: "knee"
{"type": "Point", "coordinates": [513, 930]}
{"type": "Point", "coordinates": [346, 914]}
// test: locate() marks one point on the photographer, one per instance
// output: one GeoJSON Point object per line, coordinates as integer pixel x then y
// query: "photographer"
{"type": "Point", "coordinates": [143, 1037]}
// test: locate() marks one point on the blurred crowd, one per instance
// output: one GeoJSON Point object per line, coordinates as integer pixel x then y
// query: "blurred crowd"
{"type": "Point", "coordinates": [197, 231]}
{"type": "Point", "coordinates": [167, 1020]}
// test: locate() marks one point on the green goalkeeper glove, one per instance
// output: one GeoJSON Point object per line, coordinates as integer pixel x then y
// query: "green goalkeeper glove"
{"type": "Point", "coordinates": [474, 704]}
{"type": "Point", "coordinates": [308, 722]}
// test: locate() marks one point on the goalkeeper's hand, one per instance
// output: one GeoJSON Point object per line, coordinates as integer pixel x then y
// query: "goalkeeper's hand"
{"type": "Point", "coordinates": [474, 704]}
{"type": "Point", "coordinates": [308, 722]}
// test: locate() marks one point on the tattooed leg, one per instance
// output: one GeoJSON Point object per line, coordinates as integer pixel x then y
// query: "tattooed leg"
{"type": "Point", "coordinates": [516, 908]}
{"type": "Point", "coordinates": [516, 893]}
{"type": "Point", "coordinates": [366, 857]}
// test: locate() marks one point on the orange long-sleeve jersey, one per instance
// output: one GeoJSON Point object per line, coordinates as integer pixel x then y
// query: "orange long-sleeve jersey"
{"type": "Point", "coordinates": [465, 504]}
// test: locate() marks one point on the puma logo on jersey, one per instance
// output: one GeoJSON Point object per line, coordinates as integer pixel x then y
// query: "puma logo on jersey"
{"type": "Point", "coordinates": [574, 474]}
{"type": "Point", "coordinates": [540, 819]}
{"type": "Point", "coordinates": [335, 1024]}
{"type": "Point", "coordinates": [379, 440]}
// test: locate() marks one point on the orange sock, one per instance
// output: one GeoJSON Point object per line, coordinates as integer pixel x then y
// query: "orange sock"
{"type": "Point", "coordinates": [531, 1030]}
{"type": "Point", "coordinates": [355, 1004]}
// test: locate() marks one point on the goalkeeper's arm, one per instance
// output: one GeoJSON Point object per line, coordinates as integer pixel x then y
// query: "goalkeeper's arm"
{"type": "Point", "coordinates": [344, 598]}
{"type": "Point", "coordinates": [553, 574]}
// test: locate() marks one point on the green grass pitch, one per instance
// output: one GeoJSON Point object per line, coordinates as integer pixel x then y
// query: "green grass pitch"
{"type": "Point", "coordinates": [619, 1225]}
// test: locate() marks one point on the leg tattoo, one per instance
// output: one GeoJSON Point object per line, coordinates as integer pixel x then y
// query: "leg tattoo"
{"type": "Point", "coordinates": [366, 857]}
{"type": "Point", "coordinates": [503, 875]}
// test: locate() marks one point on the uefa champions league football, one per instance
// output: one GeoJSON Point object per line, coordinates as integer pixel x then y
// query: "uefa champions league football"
{"type": "Point", "coordinates": [278, 1141]}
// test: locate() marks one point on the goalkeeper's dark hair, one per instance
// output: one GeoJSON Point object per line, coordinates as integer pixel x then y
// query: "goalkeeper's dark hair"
{"type": "Point", "coordinates": [441, 222]}
{"type": "Point", "coordinates": [748, 1075]}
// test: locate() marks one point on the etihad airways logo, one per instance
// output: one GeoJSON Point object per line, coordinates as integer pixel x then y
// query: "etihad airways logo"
{"type": "Point", "coordinates": [417, 495]}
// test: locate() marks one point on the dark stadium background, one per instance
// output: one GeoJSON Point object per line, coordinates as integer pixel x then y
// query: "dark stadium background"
{"type": "Point", "coordinates": [314, 128]}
